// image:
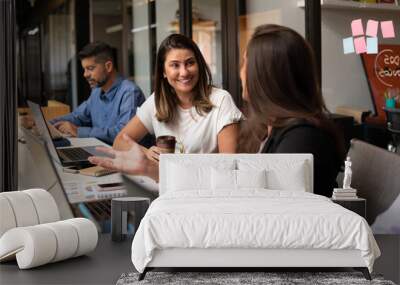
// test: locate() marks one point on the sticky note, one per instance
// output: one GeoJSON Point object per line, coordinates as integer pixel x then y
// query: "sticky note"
{"type": "Point", "coordinates": [372, 28]}
{"type": "Point", "coordinates": [357, 28]}
{"type": "Point", "coordinates": [360, 45]}
{"type": "Point", "coordinates": [372, 45]}
{"type": "Point", "coordinates": [348, 46]}
{"type": "Point", "coordinates": [387, 29]}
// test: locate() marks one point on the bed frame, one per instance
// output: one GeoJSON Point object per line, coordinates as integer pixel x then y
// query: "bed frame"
{"type": "Point", "coordinates": [242, 259]}
{"type": "Point", "coordinates": [249, 258]}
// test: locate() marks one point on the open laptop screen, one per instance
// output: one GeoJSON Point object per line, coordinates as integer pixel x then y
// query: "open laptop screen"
{"type": "Point", "coordinates": [43, 130]}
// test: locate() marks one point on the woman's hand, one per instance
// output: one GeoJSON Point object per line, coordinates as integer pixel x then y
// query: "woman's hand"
{"type": "Point", "coordinates": [153, 154]}
{"type": "Point", "coordinates": [132, 161]}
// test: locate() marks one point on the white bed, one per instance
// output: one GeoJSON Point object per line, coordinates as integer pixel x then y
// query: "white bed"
{"type": "Point", "coordinates": [202, 219]}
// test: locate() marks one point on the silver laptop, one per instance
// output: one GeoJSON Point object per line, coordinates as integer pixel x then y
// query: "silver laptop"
{"type": "Point", "coordinates": [66, 156]}
{"type": "Point", "coordinates": [97, 211]}
{"type": "Point", "coordinates": [45, 175]}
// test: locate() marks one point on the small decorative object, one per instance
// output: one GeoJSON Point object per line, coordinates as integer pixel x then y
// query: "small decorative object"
{"type": "Point", "coordinates": [347, 192]}
{"type": "Point", "coordinates": [347, 174]}
{"type": "Point", "coordinates": [390, 103]}
{"type": "Point", "coordinates": [32, 233]}
{"type": "Point", "coordinates": [391, 96]}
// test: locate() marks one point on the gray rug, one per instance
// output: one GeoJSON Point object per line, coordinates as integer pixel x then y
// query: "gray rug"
{"type": "Point", "coordinates": [230, 278]}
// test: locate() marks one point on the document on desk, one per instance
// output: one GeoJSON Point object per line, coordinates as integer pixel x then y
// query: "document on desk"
{"type": "Point", "coordinates": [74, 191]}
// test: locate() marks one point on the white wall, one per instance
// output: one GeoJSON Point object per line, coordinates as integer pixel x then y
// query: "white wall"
{"type": "Point", "coordinates": [289, 14]}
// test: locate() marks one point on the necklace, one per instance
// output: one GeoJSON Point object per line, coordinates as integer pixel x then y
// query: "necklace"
{"type": "Point", "coordinates": [180, 146]}
{"type": "Point", "coordinates": [179, 141]}
{"type": "Point", "coordinates": [185, 123]}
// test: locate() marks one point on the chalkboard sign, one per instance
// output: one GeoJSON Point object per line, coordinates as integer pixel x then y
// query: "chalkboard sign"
{"type": "Point", "coordinates": [382, 71]}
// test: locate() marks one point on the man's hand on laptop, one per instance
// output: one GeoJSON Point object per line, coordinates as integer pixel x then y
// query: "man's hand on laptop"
{"type": "Point", "coordinates": [27, 121]}
{"type": "Point", "coordinates": [67, 128]}
{"type": "Point", "coordinates": [132, 161]}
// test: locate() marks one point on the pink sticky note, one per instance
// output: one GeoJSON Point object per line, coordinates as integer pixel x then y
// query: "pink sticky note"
{"type": "Point", "coordinates": [372, 28]}
{"type": "Point", "coordinates": [387, 29]}
{"type": "Point", "coordinates": [357, 28]}
{"type": "Point", "coordinates": [360, 45]}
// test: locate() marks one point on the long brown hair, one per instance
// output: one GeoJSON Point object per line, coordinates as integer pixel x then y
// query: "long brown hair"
{"type": "Point", "coordinates": [282, 86]}
{"type": "Point", "coordinates": [166, 100]}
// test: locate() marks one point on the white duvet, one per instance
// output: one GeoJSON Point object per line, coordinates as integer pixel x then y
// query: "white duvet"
{"type": "Point", "coordinates": [250, 219]}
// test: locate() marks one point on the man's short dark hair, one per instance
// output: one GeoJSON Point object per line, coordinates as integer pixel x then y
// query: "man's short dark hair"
{"type": "Point", "coordinates": [100, 50]}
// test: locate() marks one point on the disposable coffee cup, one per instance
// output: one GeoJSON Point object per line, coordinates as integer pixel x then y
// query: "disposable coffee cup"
{"type": "Point", "coordinates": [166, 144]}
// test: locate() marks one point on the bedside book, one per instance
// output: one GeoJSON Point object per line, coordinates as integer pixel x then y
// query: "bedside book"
{"type": "Point", "coordinates": [347, 190]}
{"type": "Point", "coordinates": [344, 197]}
{"type": "Point", "coordinates": [344, 194]}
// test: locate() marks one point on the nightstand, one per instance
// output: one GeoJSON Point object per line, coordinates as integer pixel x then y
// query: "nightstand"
{"type": "Point", "coordinates": [357, 205]}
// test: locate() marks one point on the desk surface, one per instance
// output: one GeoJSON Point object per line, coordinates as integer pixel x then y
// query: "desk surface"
{"type": "Point", "coordinates": [102, 266]}
{"type": "Point", "coordinates": [36, 167]}
{"type": "Point", "coordinates": [81, 188]}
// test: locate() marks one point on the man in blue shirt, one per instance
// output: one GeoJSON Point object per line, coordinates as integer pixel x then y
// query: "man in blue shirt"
{"type": "Point", "coordinates": [112, 102]}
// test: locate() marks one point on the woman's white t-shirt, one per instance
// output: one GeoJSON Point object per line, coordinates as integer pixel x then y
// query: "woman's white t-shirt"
{"type": "Point", "coordinates": [196, 133]}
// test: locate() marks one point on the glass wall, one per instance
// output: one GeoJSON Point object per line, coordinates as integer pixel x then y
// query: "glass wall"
{"type": "Point", "coordinates": [57, 50]}
{"type": "Point", "coordinates": [139, 49]}
{"type": "Point", "coordinates": [206, 16]}
{"type": "Point", "coordinates": [167, 18]}
{"type": "Point", "coordinates": [135, 28]}
{"type": "Point", "coordinates": [253, 13]}
{"type": "Point", "coordinates": [106, 25]}
{"type": "Point", "coordinates": [149, 23]}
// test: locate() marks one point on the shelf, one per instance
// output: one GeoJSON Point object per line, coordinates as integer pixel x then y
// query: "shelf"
{"type": "Point", "coordinates": [198, 25]}
{"type": "Point", "coordinates": [114, 29]}
{"type": "Point", "coordinates": [353, 5]}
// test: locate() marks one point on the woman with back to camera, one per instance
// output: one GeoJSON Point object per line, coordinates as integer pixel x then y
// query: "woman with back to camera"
{"type": "Point", "coordinates": [202, 118]}
{"type": "Point", "coordinates": [287, 113]}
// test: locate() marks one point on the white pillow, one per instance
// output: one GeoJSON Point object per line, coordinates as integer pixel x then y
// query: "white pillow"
{"type": "Point", "coordinates": [251, 178]}
{"type": "Point", "coordinates": [182, 177]}
{"type": "Point", "coordinates": [223, 179]}
{"type": "Point", "coordinates": [292, 178]}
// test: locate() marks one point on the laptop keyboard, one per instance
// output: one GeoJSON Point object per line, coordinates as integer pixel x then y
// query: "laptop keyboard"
{"type": "Point", "coordinates": [73, 154]}
{"type": "Point", "coordinates": [100, 210]}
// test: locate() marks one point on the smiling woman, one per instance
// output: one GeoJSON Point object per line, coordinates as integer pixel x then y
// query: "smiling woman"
{"type": "Point", "coordinates": [185, 105]}
{"type": "Point", "coordinates": [202, 118]}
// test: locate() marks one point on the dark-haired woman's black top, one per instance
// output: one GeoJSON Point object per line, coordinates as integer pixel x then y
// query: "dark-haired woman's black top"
{"type": "Point", "coordinates": [306, 138]}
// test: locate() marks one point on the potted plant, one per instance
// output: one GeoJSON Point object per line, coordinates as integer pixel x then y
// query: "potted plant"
{"type": "Point", "coordinates": [391, 96]}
